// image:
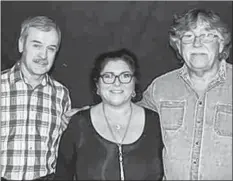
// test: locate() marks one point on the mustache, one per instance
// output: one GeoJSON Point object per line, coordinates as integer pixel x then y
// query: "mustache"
{"type": "Point", "coordinates": [41, 61]}
{"type": "Point", "coordinates": [198, 53]}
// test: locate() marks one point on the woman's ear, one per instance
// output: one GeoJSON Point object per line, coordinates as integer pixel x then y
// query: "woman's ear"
{"type": "Point", "coordinates": [97, 89]}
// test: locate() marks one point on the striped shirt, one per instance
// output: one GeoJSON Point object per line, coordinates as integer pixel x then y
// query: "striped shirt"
{"type": "Point", "coordinates": [31, 125]}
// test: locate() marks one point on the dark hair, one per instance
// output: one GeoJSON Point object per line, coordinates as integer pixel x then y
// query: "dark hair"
{"type": "Point", "coordinates": [186, 21]}
{"type": "Point", "coordinates": [100, 62]}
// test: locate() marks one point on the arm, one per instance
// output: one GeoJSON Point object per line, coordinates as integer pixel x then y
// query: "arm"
{"type": "Point", "coordinates": [65, 168]}
{"type": "Point", "coordinates": [68, 114]}
{"type": "Point", "coordinates": [66, 104]}
{"type": "Point", "coordinates": [156, 169]}
{"type": "Point", "coordinates": [149, 98]}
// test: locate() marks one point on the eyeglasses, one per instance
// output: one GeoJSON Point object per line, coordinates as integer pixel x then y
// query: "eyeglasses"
{"type": "Point", "coordinates": [110, 78]}
{"type": "Point", "coordinates": [204, 38]}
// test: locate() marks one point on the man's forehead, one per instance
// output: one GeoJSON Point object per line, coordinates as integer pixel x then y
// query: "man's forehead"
{"type": "Point", "coordinates": [201, 24]}
{"type": "Point", "coordinates": [202, 27]}
{"type": "Point", "coordinates": [35, 30]}
{"type": "Point", "coordinates": [50, 36]}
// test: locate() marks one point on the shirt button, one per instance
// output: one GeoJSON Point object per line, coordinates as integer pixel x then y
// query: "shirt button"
{"type": "Point", "coordinates": [200, 103]}
{"type": "Point", "coordinates": [197, 143]}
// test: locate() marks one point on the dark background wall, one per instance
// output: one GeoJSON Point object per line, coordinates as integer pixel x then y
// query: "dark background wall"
{"type": "Point", "coordinates": [89, 28]}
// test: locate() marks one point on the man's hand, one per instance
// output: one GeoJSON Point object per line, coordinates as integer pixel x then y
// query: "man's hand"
{"type": "Point", "coordinates": [68, 114]}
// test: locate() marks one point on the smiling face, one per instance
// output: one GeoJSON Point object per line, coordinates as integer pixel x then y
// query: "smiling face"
{"type": "Point", "coordinates": [38, 51]}
{"type": "Point", "coordinates": [201, 55]}
{"type": "Point", "coordinates": [116, 94]}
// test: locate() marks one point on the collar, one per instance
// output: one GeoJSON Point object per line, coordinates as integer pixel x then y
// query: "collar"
{"type": "Point", "coordinates": [221, 75]}
{"type": "Point", "coordinates": [16, 75]}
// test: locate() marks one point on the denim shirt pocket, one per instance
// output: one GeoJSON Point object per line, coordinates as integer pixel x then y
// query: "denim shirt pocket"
{"type": "Point", "coordinates": [172, 114]}
{"type": "Point", "coordinates": [223, 120]}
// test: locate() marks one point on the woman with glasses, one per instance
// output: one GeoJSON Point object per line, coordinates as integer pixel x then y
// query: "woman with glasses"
{"type": "Point", "coordinates": [115, 139]}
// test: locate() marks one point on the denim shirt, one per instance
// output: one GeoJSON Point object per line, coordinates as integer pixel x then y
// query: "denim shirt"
{"type": "Point", "coordinates": [197, 131]}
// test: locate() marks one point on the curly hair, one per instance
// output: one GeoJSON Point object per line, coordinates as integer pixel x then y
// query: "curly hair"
{"type": "Point", "coordinates": [188, 20]}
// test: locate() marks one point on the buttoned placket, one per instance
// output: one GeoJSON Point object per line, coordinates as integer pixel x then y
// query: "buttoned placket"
{"type": "Point", "coordinates": [198, 126]}
{"type": "Point", "coordinates": [29, 126]}
{"type": "Point", "coordinates": [196, 146]}
{"type": "Point", "coordinates": [198, 131]}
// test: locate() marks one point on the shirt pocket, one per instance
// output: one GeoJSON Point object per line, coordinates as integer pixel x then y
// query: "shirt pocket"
{"type": "Point", "coordinates": [223, 120]}
{"type": "Point", "coordinates": [172, 114]}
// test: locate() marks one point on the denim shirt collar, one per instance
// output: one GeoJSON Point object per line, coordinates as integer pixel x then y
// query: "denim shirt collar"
{"type": "Point", "coordinates": [16, 75]}
{"type": "Point", "coordinates": [220, 77]}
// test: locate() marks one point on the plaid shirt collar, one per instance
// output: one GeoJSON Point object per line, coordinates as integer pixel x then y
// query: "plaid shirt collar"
{"type": "Point", "coordinates": [221, 76]}
{"type": "Point", "coordinates": [16, 75]}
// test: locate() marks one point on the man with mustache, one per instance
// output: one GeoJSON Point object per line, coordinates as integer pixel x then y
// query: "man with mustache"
{"type": "Point", "coordinates": [32, 105]}
{"type": "Point", "coordinates": [195, 101]}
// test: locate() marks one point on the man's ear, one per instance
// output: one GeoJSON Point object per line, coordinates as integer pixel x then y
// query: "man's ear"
{"type": "Point", "coordinates": [178, 44]}
{"type": "Point", "coordinates": [20, 44]}
{"type": "Point", "coordinates": [221, 46]}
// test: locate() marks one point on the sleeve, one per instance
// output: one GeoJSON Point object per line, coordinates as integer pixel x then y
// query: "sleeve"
{"type": "Point", "coordinates": [66, 106]}
{"type": "Point", "coordinates": [65, 167]}
{"type": "Point", "coordinates": [157, 170]}
{"type": "Point", "coordinates": [149, 98]}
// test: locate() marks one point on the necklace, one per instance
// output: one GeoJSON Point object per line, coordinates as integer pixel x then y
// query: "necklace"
{"type": "Point", "coordinates": [119, 144]}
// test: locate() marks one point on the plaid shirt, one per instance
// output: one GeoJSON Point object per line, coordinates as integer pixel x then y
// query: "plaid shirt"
{"type": "Point", "coordinates": [31, 125]}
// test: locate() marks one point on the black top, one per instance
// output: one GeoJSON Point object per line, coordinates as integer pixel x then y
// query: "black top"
{"type": "Point", "coordinates": [86, 155]}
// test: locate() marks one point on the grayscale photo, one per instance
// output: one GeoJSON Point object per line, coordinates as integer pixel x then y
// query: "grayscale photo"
{"type": "Point", "coordinates": [116, 90]}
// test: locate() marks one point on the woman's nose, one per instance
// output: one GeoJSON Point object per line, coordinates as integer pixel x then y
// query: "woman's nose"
{"type": "Point", "coordinates": [117, 81]}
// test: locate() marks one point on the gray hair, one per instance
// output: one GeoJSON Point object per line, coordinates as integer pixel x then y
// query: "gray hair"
{"type": "Point", "coordinates": [185, 22]}
{"type": "Point", "coordinates": [40, 22]}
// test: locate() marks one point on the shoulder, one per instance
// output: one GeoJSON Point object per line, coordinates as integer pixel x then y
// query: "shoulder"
{"type": "Point", "coordinates": [229, 73]}
{"type": "Point", "coordinates": [6, 77]}
{"type": "Point", "coordinates": [229, 68]}
{"type": "Point", "coordinates": [5, 74]}
{"type": "Point", "coordinates": [151, 114]}
{"type": "Point", "coordinates": [168, 76]}
{"type": "Point", "coordinates": [146, 111]}
{"type": "Point", "coordinates": [166, 79]}
{"type": "Point", "coordinates": [229, 65]}
{"type": "Point", "coordinates": [80, 118]}
{"type": "Point", "coordinates": [58, 85]}
{"type": "Point", "coordinates": [83, 113]}
{"type": "Point", "coordinates": [152, 122]}
{"type": "Point", "coordinates": [6, 71]}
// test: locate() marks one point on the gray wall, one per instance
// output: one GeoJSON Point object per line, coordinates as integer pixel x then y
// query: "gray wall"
{"type": "Point", "coordinates": [90, 28]}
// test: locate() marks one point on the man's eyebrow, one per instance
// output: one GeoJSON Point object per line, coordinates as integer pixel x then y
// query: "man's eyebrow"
{"type": "Point", "coordinates": [36, 41]}
{"type": "Point", "coordinates": [54, 46]}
